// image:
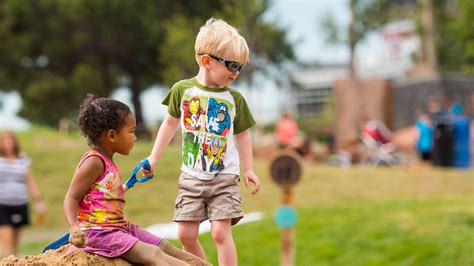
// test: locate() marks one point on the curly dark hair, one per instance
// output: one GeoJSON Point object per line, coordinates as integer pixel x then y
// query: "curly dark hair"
{"type": "Point", "coordinates": [97, 115]}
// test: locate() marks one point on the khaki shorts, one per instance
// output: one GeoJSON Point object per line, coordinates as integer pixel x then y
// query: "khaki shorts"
{"type": "Point", "coordinates": [216, 199]}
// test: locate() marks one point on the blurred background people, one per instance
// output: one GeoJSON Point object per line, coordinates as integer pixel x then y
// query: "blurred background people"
{"type": "Point", "coordinates": [443, 121]}
{"type": "Point", "coordinates": [424, 143]}
{"type": "Point", "coordinates": [16, 180]}
{"type": "Point", "coordinates": [286, 130]}
{"type": "Point", "coordinates": [461, 137]}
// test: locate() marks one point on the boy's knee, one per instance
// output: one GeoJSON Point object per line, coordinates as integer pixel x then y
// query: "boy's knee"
{"type": "Point", "coordinates": [186, 238]}
{"type": "Point", "coordinates": [219, 235]}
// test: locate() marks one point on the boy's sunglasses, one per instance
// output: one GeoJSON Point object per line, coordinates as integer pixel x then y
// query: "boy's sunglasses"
{"type": "Point", "coordinates": [231, 65]}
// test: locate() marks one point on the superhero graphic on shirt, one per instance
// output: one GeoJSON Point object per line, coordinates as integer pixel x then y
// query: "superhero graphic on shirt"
{"type": "Point", "coordinates": [206, 123]}
{"type": "Point", "coordinates": [214, 155]}
{"type": "Point", "coordinates": [193, 114]}
{"type": "Point", "coordinates": [218, 118]}
{"type": "Point", "coordinates": [191, 147]}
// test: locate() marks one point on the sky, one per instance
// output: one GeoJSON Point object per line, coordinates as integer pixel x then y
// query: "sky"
{"type": "Point", "coordinates": [303, 19]}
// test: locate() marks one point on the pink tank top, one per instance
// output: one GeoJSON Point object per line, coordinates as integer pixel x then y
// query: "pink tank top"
{"type": "Point", "coordinates": [102, 206]}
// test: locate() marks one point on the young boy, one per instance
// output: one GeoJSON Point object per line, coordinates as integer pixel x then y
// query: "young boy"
{"type": "Point", "coordinates": [214, 119]}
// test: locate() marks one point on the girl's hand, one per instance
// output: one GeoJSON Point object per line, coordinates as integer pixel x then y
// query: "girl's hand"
{"type": "Point", "coordinates": [251, 177]}
{"type": "Point", "coordinates": [77, 237]}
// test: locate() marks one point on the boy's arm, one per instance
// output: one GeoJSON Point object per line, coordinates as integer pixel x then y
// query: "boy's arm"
{"type": "Point", "coordinates": [163, 138]}
{"type": "Point", "coordinates": [244, 144]}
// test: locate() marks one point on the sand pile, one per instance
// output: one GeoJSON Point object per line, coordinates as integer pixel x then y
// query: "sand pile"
{"type": "Point", "coordinates": [62, 257]}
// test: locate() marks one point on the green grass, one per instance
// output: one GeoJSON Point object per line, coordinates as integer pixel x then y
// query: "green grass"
{"type": "Point", "coordinates": [350, 216]}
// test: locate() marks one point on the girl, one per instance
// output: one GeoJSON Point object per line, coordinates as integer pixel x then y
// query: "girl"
{"type": "Point", "coordinates": [94, 203]}
{"type": "Point", "coordinates": [15, 177]}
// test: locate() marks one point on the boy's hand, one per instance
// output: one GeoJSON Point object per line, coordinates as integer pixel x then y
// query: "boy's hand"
{"type": "Point", "coordinates": [251, 177]}
{"type": "Point", "coordinates": [152, 162]}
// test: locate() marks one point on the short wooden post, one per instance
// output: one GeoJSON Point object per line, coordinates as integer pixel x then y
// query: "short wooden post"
{"type": "Point", "coordinates": [286, 170]}
{"type": "Point", "coordinates": [287, 256]}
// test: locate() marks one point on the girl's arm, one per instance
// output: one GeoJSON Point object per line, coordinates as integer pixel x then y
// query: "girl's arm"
{"type": "Point", "coordinates": [163, 138]}
{"type": "Point", "coordinates": [85, 175]}
{"type": "Point", "coordinates": [244, 144]}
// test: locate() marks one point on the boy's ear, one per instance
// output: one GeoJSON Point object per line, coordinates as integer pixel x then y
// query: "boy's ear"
{"type": "Point", "coordinates": [111, 135]}
{"type": "Point", "coordinates": [205, 60]}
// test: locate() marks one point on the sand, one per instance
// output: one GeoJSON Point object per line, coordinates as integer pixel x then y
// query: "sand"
{"type": "Point", "coordinates": [61, 257]}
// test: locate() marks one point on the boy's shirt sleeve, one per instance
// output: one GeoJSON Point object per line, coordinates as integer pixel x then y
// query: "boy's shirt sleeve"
{"type": "Point", "coordinates": [243, 117]}
{"type": "Point", "coordinates": [173, 100]}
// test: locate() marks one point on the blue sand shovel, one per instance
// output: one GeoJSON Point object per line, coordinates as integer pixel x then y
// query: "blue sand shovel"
{"type": "Point", "coordinates": [64, 239]}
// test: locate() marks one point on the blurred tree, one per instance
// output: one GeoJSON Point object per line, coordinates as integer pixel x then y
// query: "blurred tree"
{"type": "Point", "coordinates": [54, 51]}
{"type": "Point", "coordinates": [446, 29]}
{"type": "Point", "coordinates": [366, 16]}
{"type": "Point", "coordinates": [455, 36]}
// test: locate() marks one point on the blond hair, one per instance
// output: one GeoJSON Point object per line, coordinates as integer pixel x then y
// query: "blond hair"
{"type": "Point", "coordinates": [217, 36]}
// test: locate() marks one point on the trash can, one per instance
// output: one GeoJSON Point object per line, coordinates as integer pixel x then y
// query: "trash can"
{"type": "Point", "coordinates": [443, 145]}
{"type": "Point", "coordinates": [461, 142]}
{"type": "Point", "coordinates": [443, 149]}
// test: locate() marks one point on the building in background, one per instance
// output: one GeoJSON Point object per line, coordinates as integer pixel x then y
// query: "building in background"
{"type": "Point", "coordinates": [315, 85]}
{"type": "Point", "coordinates": [387, 54]}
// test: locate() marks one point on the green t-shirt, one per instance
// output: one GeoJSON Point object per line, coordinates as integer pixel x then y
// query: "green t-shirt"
{"type": "Point", "coordinates": [209, 118]}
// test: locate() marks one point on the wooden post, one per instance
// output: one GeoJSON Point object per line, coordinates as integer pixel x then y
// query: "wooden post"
{"type": "Point", "coordinates": [285, 170]}
{"type": "Point", "coordinates": [287, 249]}
{"type": "Point", "coordinates": [287, 255]}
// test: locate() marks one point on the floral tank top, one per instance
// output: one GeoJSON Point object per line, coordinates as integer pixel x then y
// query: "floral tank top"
{"type": "Point", "coordinates": [103, 204]}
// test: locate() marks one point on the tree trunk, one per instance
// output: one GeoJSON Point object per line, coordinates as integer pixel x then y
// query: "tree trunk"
{"type": "Point", "coordinates": [428, 52]}
{"type": "Point", "coordinates": [141, 129]}
{"type": "Point", "coordinates": [350, 66]}
{"type": "Point", "coordinates": [352, 43]}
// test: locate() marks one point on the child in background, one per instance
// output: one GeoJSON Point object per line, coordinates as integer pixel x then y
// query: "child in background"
{"type": "Point", "coordinates": [94, 203]}
{"type": "Point", "coordinates": [214, 120]}
{"type": "Point", "coordinates": [286, 130]}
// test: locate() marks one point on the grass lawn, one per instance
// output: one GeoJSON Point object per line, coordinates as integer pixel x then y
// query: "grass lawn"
{"type": "Point", "coordinates": [346, 216]}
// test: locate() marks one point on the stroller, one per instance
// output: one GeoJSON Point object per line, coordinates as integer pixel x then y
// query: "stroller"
{"type": "Point", "coordinates": [379, 150]}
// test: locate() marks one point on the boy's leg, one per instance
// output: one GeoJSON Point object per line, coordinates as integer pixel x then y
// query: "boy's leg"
{"type": "Point", "coordinates": [150, 255]}
{"type": "Point", "coordinates": [221, 231]}
{"type": "Point", "coordinates": [188, 232]}
{"type": "Point", "coordinates": [173, 251]}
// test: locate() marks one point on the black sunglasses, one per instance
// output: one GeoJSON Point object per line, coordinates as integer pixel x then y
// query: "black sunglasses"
{"type": "Point", "coordinates": [231, 65]}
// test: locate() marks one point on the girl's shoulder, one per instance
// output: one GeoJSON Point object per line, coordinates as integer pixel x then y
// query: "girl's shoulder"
{"type": "Point", "coordinates": [99, 158]}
